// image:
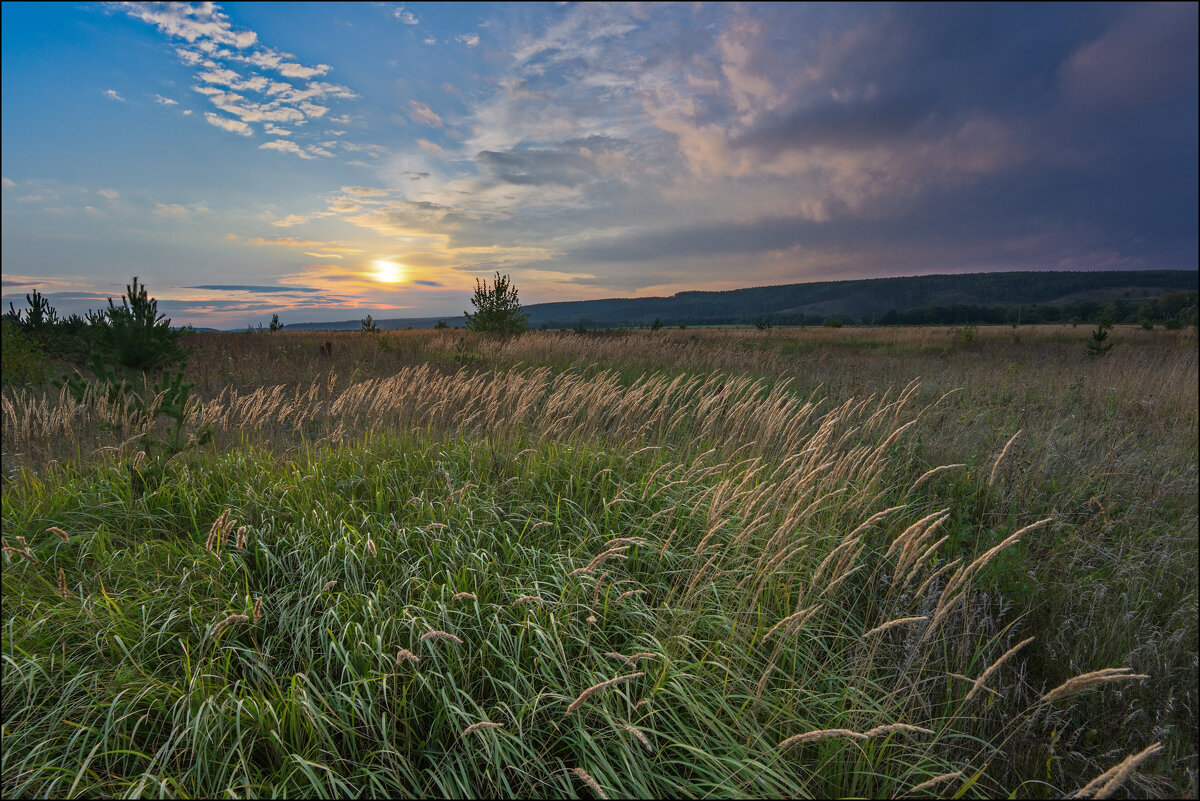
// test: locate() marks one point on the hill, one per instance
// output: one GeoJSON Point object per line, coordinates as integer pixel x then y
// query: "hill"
{"type": "Point", "coordinates": [974, 297]}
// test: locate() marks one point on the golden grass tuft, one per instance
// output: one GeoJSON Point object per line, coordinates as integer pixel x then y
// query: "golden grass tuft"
{"type": "Point", "coordinates": [480, 726]}
{"type": "Point", "coordinates": [824, 734]}
{"type": "Point", "coordinates": [1000, 458]}
{"type": "Point", "coordinates": [258, 613]}
{"type": "Point", "coordinates": [438, 634]}
{"type": "Point", "coordinates": [1104, 785]}
{"type": "Point", "coordinates": [925, 785]}
{"type": "Point", "coordinates": [1086, 681]}
{"type": "Point", "coordinates": [405, 655]}
{"type": "Point", "coordinates": [589, 781]}
{"type": "Point", "coordinates": [641, 738]}
{"type": "Point", "coordinates": [58, 532]}
{"type": "Point", "coordinates": [900, 621]}
{"type": "Point", "coordinates": [227, 622]}
{"type": "Point", "coordinates": [463, 596]}
{"type": "Point", "coordinates": [604, 685]}
{"type": "Point", "coordinates": [987, 674]}
{"type": "Point", "coordinates": [62, 584]}
{"type": "Point", "coordinates": [527, 599]}
{"type": "Point", "coordinates": [329, 585]}
{"type": "Point", "coordinates": [25, 554]}
{"type": "Point", "coordinates": [792, 622]}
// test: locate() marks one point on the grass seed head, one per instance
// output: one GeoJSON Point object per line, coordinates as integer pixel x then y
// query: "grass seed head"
{"type": "Point", "coordinates": [62, 535]}
{"type": "Point", "coordinates": [589, 781]}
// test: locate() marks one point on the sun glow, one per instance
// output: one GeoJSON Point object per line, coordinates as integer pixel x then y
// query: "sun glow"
{"type": "Point", "coordinates": [388, 272]}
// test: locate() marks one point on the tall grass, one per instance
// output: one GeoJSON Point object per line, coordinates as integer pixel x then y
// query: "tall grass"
{"type": "Point", "coordinates": [524, 580]}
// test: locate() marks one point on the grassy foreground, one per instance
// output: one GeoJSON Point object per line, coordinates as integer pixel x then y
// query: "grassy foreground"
{"type": "Point", "coordinates": [571, 581]}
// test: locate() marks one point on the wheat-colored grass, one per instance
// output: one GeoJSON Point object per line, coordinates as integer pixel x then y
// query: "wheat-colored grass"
{"type": "Point", "coordinates": [604, 685]}
{"type": "Point", "coordinates": [589, 781]}
{"type": "Point", "coordinates": [1086, 681]}
{"type": "Point", "coordinates": [824, 734]}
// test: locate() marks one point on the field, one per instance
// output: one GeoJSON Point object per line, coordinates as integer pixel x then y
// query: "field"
{"type": "Point", "coordinates": [697, 563]}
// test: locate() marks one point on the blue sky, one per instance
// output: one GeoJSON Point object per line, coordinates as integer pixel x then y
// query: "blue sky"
{"type": "Point", "coordinates": [326, 161]}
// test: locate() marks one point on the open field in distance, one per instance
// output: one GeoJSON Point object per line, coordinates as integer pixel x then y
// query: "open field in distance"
{"type": "Point", "coordinates": [703, 562]}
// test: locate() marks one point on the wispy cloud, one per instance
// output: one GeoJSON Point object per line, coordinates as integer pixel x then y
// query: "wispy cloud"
{"type": "Point", "coordinates": [469, 39]}
{"type": "Point", "coordinates": [112, 94]}
{"type": "Point", "coordinates": [226, 124]}
{"type": "Point", "coordinates": [221, 56]}
{"type": "Point", "coordinates": [423, 113]}
{"type": "Point", "coordinates": [404, 15]}
{"type": "Point", "coordinates": [165, 101]}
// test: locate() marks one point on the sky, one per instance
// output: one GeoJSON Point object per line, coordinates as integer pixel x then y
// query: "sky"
{"type": "Point", "coordinates": [326, 161]}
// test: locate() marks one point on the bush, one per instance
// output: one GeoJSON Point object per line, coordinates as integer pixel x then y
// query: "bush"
{"type": "Point", "coordinates": [275, 324]}
{"type": "Point", "coordinates": [497, 309]}
{"type": "Point", "coordinates": [833, 322]}
{"type": "Point", "coordinates": [24, 362]}
{"type": "Point", "coordinates": [368, 325]}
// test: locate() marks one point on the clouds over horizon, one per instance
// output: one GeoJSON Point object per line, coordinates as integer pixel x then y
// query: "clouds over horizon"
{"type": "Point", "coordinates": [595, 150]}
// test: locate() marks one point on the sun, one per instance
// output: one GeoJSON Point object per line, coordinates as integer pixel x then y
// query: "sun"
{"type": "Point", "coordinates": [388, 272]}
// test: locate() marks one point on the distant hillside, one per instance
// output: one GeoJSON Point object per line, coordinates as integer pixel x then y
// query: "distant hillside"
{"type": "Point", "coordinates": [974, 297]}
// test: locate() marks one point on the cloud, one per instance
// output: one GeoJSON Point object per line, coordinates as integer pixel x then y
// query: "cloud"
{"type": "Point", "coordinates": [1139, 59]}
{"type": "Point", "coordinates": [469, 39]}
{"type": "Point", "coordinates": [281, 90]}
{"type": "Point", "coordinates": [165, 101]}
{"type": "Point", "coordinates": [173, 211]}
{"type": "Point", "coordinates": [423, 113]}
{"type": "Point", "coordinates": [404, 15]}
{"type": "Point", "coordinates": [109, 194]}
{"type": "Point", "coordinates": [224, 123]}
{"type": "Point", "coordinates": [192, 22]}
{"type": "Point", "coordinates": [286, 146]}
{"type": "Point", "coordinates": [112, 94]}
{"type": "Point", "coordinates": [251, 288]}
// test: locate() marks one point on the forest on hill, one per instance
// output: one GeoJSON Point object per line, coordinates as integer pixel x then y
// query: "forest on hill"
{"type": "Point", "coordinates": [1124, 296]}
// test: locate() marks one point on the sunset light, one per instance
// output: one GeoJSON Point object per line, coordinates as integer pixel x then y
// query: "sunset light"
{"type": "Point", "coordinates": [251, 159]}
{"type": "Point", "coordinates": [388, 272]}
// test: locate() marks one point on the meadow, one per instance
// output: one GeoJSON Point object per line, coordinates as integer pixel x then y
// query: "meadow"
{"type": "Point", "coordinates": [856, 562]}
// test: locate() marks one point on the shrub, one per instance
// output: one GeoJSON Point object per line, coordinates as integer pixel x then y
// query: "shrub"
{"type": "Point", "coordinates": [275, 324]}
{"type": "Point", "coordinates": [833, 322]}
{"type": "Point", "coordinates": [368, 325]}
{"type": "Point", "coordinates": [24, 362]}
{"type": "Point", "coordinates": [497, 309]}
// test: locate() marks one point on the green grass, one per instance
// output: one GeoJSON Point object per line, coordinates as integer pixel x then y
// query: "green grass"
{"type": "Point", "coordinates": [121, 688]}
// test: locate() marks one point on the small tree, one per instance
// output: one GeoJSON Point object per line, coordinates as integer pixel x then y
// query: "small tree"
{"type": "Point", "coordinates": [497, 309]}
{"type": "Point", "coordinates": [275, 324]}
{"type": "Point", "coordinates": [1098, 344]}
{"type": "Point", "coordinates": [135, 335]}
{"type": "Point", "coordinates": [368, 325]}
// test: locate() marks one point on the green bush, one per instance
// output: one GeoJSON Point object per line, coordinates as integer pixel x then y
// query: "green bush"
{"type": "Point", "coordinates": [24, 361]}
